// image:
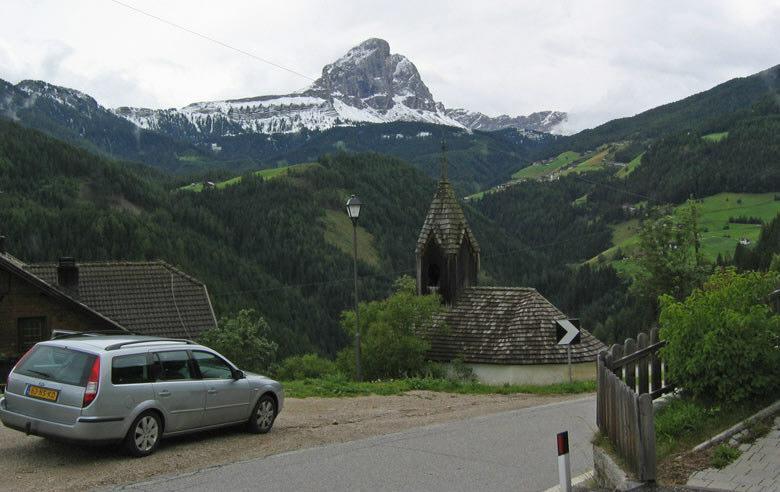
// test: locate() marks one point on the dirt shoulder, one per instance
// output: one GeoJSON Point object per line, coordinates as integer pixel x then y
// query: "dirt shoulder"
{"type": "Point", "coordinates": [33, 463]}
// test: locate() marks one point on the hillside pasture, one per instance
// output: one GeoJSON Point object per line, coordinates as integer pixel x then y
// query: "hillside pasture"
{"type": "Point", "coordinates": [719, 236]}
{"type": "Point", "coordinates": [271, 173]}
{"type": "Point", "coordinates": [715, 137]}
{"type": "Point", "coordinates": [593, 163]}
{"type": "Point", "coordinates": [540, 169]}
{"type": "Point", "coordinates": [635, 162]}
{"type": "Point", "coordinates": [338, 232]}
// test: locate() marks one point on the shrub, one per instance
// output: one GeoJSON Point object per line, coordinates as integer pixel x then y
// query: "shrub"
{"type": "Point", "coordinates": [722, 339]}
{"type": "Point", "coordinates": [244, 340]}
{"type": "Point", "coordinates": [459, 371]}
{"type": "Point", "coordinates": [305, 366]}
{"type": "Point", "coordinates": [389, 333]}
{"type": "Point", "coordinates": [724, 455]}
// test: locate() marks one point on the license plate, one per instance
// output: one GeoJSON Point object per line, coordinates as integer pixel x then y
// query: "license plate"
{"type": "Point", "coordinates": [42, 393]}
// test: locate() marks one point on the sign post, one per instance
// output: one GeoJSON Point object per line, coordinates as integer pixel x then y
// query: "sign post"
{"type": "Point", "coordinates": [568, 333]}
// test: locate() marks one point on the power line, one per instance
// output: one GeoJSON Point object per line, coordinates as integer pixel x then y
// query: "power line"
{"type": "Point", "coordinates": [209, 38]}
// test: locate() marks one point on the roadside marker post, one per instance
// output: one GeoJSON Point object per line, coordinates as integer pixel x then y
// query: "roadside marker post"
{"type": "Point", "coordinates": [564, 465]}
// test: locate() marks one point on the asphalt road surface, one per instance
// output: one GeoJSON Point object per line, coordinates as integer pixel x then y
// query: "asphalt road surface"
{"type": "Point", "coordinates": [513, 450]}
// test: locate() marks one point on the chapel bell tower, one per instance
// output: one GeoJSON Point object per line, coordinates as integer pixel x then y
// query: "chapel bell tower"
{"type": "Point", "coordinates": [447, 252]}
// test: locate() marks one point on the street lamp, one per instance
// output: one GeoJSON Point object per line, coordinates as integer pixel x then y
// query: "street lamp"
{"type": "Point", "coordinates": [353, 211]}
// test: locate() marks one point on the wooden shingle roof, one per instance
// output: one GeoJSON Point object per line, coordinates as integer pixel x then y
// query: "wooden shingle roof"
{"type": "Point", "coordinates": [146, 298]}
{"type": "Point", "coordinates": [504, 325]}
{"type": "Point", "coordinates": [446, 221]}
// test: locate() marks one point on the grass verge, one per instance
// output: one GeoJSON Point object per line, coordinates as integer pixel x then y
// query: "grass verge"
{"type": "Point", "coordinates": [684, 423]}
{"type": "Point", "coordinates": [341, 387]}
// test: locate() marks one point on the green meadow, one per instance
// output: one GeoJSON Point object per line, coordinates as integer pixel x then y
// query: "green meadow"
{"type": "Point", "coordinates": [271, 173]}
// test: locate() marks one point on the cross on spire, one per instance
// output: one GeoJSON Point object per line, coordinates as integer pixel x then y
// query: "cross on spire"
{"type": "Point", "coordinates": [443, 160]}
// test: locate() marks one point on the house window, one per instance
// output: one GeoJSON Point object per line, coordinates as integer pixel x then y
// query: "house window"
{"type": "Point", "coordinates": [31, 331]}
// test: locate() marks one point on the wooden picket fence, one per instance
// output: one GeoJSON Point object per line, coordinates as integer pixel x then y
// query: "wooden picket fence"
{"type": "Point", "coordinates": [630, 377]}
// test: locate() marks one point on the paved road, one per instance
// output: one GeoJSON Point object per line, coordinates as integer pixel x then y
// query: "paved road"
{"type": "Point", "coordinates": [506, 451]}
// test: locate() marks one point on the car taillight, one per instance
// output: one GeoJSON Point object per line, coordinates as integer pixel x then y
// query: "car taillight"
{"type": "Point", "coordinates": [92, 383]}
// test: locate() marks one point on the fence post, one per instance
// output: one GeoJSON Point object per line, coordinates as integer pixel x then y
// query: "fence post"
{"type": "Point", "coordinates": [655, 363]}
{"type": "Point", "coordinates": [641, 343]}
{"type": "Point", "coordinates": [600, 391]}
{"type": "Point", "coordinates": [630, 348]}
{"type": "Point", "coordinates": [616, 351]}
{"type": "Point", "coordinates": [647, 438]}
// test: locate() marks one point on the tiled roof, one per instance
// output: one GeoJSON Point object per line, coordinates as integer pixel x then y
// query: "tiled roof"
{"type": "Point", "coordinates": [147, 298]}
{"type": "Point", "coordinates": [504, 325]}
{"type": "Point", "coordinates": [18, 268]}
{"type": "Point", "coordinates": [446, 221]}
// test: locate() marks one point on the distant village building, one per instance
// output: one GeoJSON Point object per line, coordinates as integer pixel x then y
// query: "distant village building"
{"type": "Point", "coordinates": [744, 241]}
{"type": "Point", "coordinates": [504, 334]}
{"type": "Point", "coordinates": [145, 298]}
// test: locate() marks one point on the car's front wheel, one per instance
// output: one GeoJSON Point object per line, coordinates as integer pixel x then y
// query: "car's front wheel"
{"type": "Point", "coordinates": [263, 415]}
{"type": "Point", "coordinates": [144, 435]}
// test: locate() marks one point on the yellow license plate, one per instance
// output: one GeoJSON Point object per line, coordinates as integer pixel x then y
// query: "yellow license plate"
{"type": "Point", "coordinates": [42, 393]}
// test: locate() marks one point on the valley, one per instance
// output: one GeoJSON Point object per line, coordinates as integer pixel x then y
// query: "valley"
{"type": "Point", "coordinates": [256, 210]}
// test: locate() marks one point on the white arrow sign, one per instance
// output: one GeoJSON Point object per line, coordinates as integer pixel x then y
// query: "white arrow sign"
{"type": "Point", "coordinates": [568, 333]}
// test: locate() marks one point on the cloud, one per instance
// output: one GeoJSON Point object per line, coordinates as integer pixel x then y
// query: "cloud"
{"type": "Point", "coordinates": [597, 60]}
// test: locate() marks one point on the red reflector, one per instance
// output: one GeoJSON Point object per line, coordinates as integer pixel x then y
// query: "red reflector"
{"type": "Point", "coordinates": [563, 443]}
{"type": "Point", "coordinates": [90, 392]}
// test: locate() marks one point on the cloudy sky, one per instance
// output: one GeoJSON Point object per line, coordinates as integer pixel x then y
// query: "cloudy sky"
{"type": "Point", "coordinates": [595, 59]}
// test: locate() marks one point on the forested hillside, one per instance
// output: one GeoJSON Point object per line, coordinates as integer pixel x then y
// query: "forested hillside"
{"type": "Point", "coordinates": [599, 212]}
{"type": "Point", "coordinates": [479, 159]}
{"type": "Point", "coordinates": [705, 112]}
{"type": "Point", "coordinates": [273, 245]}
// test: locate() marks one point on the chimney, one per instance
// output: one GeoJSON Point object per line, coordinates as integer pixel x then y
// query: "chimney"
{"type": "Point", "coordinates": [68, 275]}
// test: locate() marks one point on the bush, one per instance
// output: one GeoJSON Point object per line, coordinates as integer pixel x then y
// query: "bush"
{"type": "Point", "coordinates": [722, 339]}
{"type": "Point", "coordinates": [244, 340]}
{"type": "Point", "coordinates": [305, 366]}
{"type": "Point", "coordinates": [389, 334]}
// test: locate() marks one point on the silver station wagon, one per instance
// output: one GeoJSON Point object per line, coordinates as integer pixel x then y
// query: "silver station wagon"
{"type": "Point", "coordinates": [134, 390]}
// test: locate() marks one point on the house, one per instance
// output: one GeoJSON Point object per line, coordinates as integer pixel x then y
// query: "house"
{"type": "Point", "coordinates": [145, 298]}
{"type": "Point", "coordinates": [504, 334]}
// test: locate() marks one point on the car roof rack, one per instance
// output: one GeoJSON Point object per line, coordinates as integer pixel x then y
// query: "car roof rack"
{"type": "Point", "coordinates": [60, 334]}
{"type": "Point", "coordinates": [149, 340]}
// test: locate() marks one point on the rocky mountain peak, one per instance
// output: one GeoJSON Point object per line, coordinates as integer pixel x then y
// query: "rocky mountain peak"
{"type": "Point", "coordinates": [368, 84]}
{"type": "Point", "coordinates": [369, 76]}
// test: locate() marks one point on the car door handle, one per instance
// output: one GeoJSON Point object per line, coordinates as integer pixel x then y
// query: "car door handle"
{"type": "Point", "coordinates": [212, 391]}
{"type": "Point", "coordinates": [164, 393]}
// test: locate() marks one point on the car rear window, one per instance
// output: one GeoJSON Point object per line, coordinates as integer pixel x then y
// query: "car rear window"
{"type": "Point", "coordinates": [58, 364]}
{"type": "Point", "coordinates": [130, 369]}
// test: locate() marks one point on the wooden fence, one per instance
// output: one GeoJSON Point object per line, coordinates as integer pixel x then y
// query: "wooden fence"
{"type": "Point", "coordinates": [630, 377]}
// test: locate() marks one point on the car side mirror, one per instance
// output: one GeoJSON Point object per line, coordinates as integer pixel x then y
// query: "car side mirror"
{"type": "Point", "coordinates": [238, 374]}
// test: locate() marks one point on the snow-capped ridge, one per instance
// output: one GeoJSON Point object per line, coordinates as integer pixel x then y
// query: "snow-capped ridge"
{"type": "Point", "coordinates": [368, 84]}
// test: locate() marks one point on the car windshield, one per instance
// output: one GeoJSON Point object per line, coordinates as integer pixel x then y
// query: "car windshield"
{"type": "Point", "coordinates": [57, 364]}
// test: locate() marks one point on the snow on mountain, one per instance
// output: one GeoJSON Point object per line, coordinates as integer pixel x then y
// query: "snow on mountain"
{"type": "Point", "coordinates": [544, 121]}
{"type": "Point", "coordinates": [366, 85]}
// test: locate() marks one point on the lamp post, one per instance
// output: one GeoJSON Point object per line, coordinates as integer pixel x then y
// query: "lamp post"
{"type": "Point", "coordinates": [353, 211]}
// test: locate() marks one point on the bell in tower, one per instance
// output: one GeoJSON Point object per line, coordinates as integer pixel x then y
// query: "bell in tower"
{"type": "Point", "coordinates": [447, 252]}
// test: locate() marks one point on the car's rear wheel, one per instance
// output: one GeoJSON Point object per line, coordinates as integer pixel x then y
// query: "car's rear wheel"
{"type": "Point", "coordinates": [144, 435]}
{"type": "Point", "coordinates": [263, 415]}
